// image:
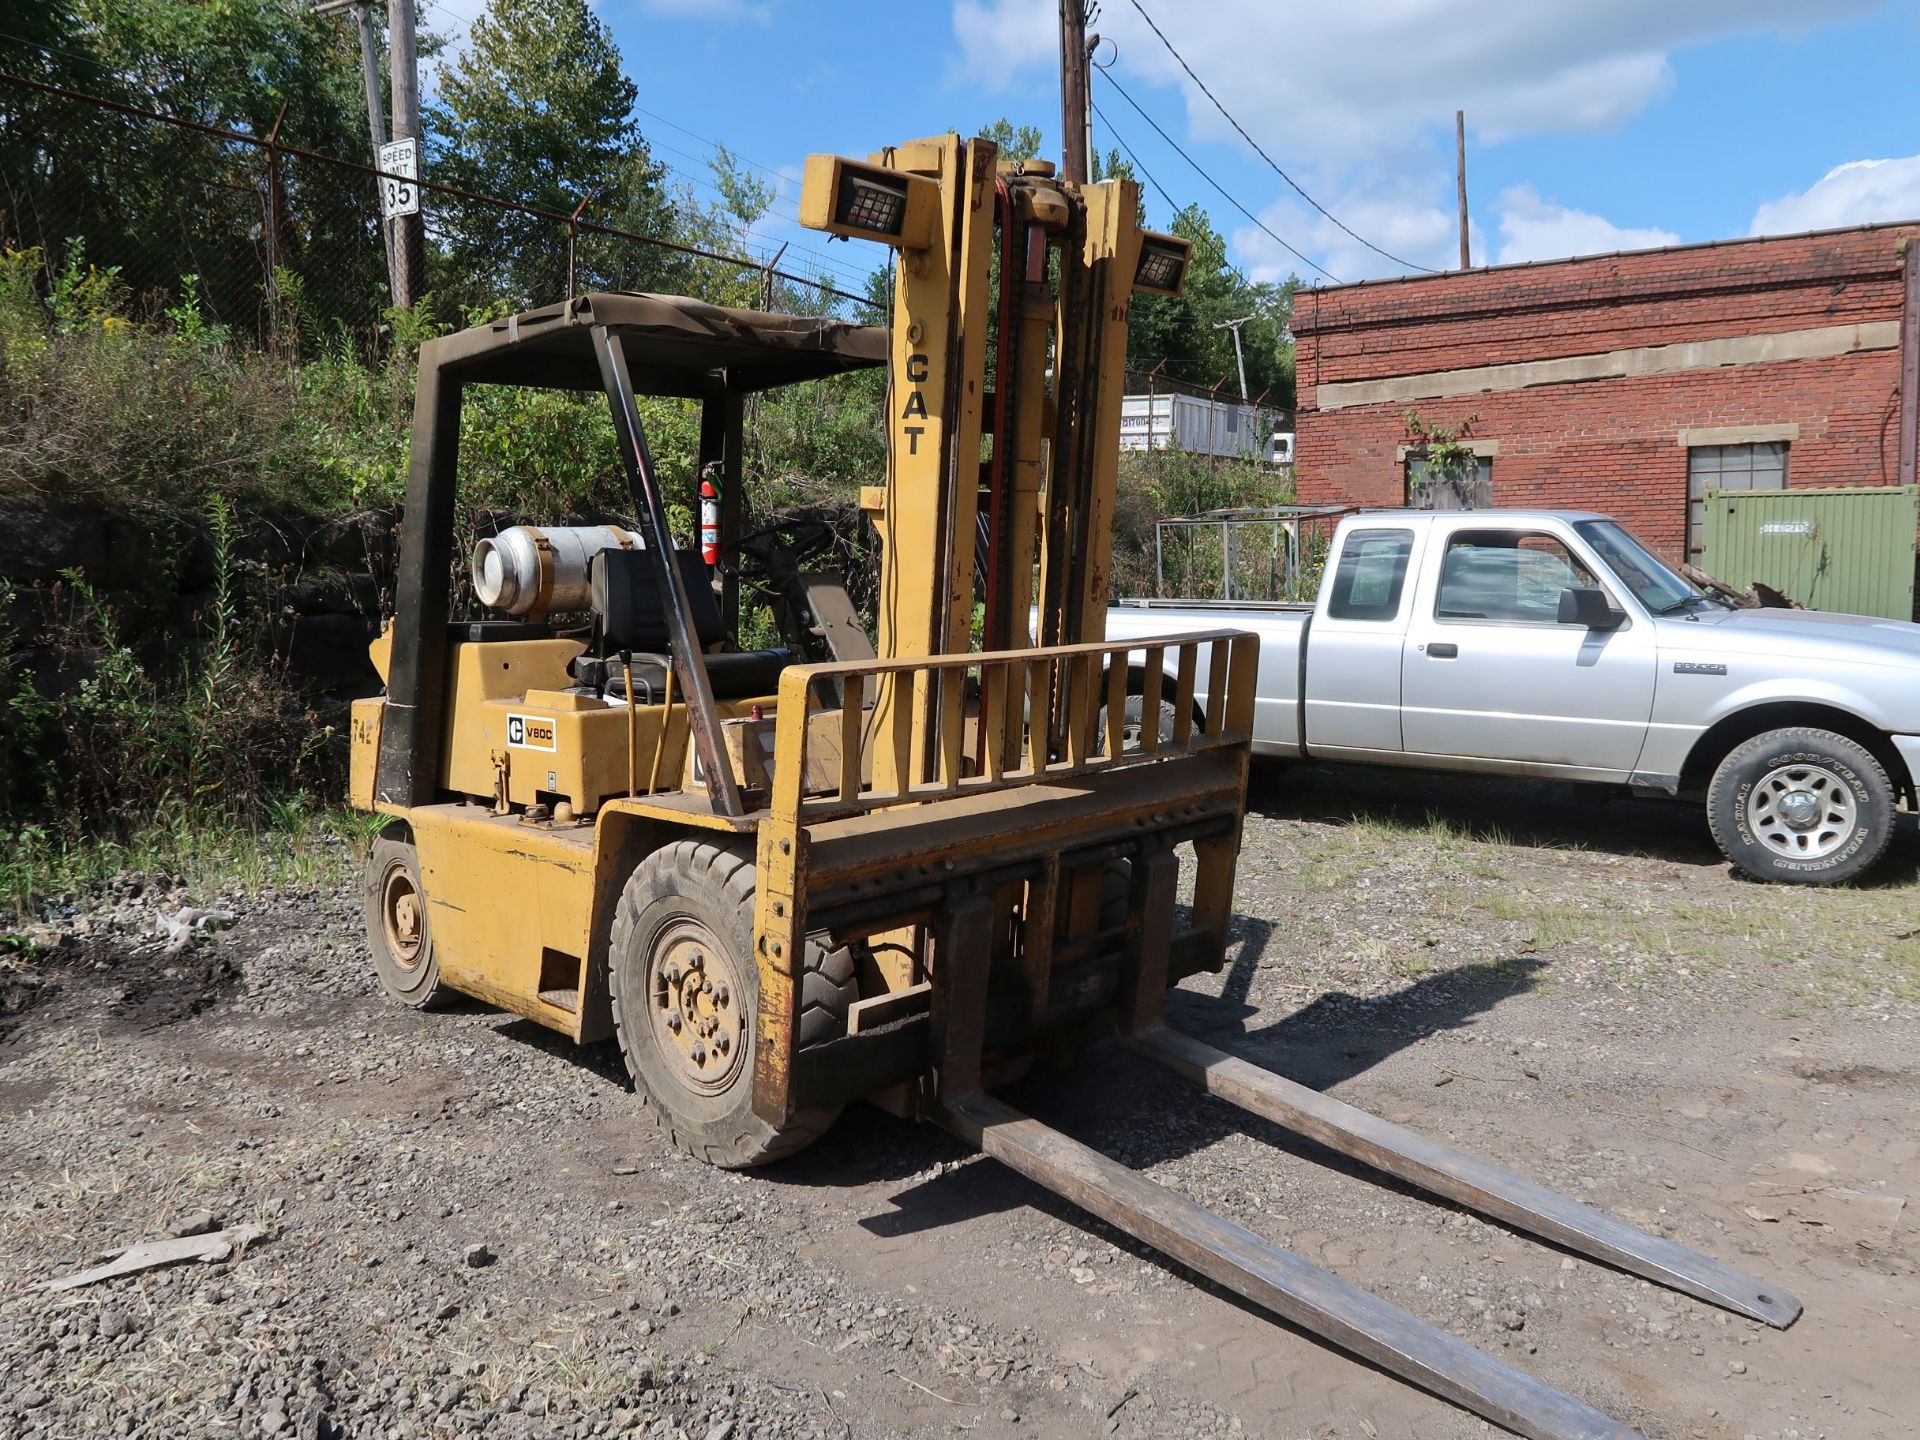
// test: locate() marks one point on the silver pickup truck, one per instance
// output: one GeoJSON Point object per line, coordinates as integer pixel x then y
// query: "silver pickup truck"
{"type": "Point", "coordinates": [1553, 644]}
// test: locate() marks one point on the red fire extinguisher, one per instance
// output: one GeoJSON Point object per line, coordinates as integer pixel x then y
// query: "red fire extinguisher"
{"type": "Point", "coordinates": [709, 523]}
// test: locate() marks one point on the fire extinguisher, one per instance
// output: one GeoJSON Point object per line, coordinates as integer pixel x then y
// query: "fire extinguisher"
{"type": "Point", "coordinates": [709, 523]}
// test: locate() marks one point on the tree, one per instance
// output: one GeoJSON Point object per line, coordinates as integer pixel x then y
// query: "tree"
{"type": "Point", "coordinates": [537, 111]}
{"type": "Point", "coordinates": [159, 201]}
{"type": "Point", "coordinates": [1016, 142]}
{"type": "Point", "coordinates": [1178, 334]}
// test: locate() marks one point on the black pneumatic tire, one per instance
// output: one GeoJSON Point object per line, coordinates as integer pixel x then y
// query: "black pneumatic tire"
{"type": "Point", "coordinates": [1845, 808]}
{"type": "Point", "coordinates": [398, 934]}
{"type": "Point", "coordinates": [1133, 722]}
{"type": "Point", "coordinates": [694, 899]}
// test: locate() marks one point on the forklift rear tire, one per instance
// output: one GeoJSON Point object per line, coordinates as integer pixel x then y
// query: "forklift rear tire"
{"type": "Point", "coordinates": [686, 993]}
{"type": "Point", "coordinates": [397, 932]}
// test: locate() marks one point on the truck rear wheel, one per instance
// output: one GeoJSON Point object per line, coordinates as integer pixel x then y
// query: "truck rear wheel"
{"type": "Point", "coordinates": [1805, 807]}
{"type": "Point", "coordinates": [686, 992]}
{"type": "Point", "coordinates": [397, 932]}
{"type": "Point", "coordinates": [1133, 724]}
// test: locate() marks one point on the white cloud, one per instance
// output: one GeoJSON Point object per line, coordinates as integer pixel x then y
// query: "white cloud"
{"type": "Point", "coordinates": [1001, 40]}
{"type": "Point", "coordinates": [1362, 80]}
{"type": "Point", "coordinates": [1358, 105]}
{"type": "Point", "coordinates": [1403, 217]}
{"type": "Point", "coordinates": [1533, 228]}
{"type": "Point", "coordinates": [1856, 193]}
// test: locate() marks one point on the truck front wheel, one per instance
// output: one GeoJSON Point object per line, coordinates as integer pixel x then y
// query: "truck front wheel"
{"type": "Point", "coordinates": [685, 993]}
{"type": "Point", "coordinates": [1804, 807]}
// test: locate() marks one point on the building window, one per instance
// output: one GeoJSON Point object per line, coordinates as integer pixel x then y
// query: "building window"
{"type": "Point", "coordinates": [1761, 466]}
{"type": "Point", "coordinates": [1462, 489]}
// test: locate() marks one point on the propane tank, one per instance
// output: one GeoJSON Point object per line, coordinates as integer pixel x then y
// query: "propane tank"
{"type": "Point", "coordinates": [709, 523]}
{"type": "Point", "coordinates": [536, 570]}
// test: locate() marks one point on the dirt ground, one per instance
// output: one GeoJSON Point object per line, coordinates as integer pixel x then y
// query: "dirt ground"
{"type": "Point", "coordinates": [1584, 995]}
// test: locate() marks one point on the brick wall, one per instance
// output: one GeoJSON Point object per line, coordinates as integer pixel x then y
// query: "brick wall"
{"type": "Point", "coordinates": [1610, 444]}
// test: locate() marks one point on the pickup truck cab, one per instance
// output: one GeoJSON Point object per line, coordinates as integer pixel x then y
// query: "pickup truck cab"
{"type": "Point", "coordinates": [1553, 644]}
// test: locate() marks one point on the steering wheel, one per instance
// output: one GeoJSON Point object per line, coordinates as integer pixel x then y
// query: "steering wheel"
{"type": "Point", "coordinates": [787, 543]}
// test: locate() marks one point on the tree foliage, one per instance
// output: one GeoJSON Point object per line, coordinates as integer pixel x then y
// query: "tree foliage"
{"type": "Point", "coordinates": [537, 111]}
{"type": "Point", "coordinates": [1179, 335]}
{"type": "Point", "coordinates": [1016, 142]}
{"type": "Point", "coordinates": [159, 201]}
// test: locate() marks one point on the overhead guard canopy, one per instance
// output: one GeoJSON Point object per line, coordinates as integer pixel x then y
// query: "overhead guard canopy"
{"type": "Point", "coordinates": [674, 345]}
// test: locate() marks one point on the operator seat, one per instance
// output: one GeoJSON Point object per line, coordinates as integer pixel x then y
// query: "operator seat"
{"type": "Point", "coordinates": [632, 615]}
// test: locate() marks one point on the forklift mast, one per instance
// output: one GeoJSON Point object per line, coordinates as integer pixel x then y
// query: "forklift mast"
{"type": "Point", "coordinates": [1030, 446]}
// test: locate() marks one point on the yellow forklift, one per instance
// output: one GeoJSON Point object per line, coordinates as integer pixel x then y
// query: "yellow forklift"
{"type": "Point", "coordinates": [903, 868]}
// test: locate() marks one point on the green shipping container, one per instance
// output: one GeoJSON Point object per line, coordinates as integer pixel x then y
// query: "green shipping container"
{"type": "Point", "coordinates": [1847, 550]}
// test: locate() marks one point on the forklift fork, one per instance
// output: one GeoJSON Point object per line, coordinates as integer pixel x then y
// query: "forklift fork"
{"type": "Point", "coordinates": [1274, 1278]}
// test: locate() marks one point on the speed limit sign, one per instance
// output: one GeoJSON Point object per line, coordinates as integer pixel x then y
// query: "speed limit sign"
{"type": "Point", "coordinates": [400, 164]}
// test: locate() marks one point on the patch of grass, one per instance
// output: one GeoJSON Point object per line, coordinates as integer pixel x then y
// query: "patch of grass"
{"type": "Point", "coordinates": [1822, 943]}
{"type": "Point", "coordinates": [302, 845]}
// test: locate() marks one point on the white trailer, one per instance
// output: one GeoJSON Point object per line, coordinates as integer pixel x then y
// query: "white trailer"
{"type": "Point", "coordinates": [1230, 429]}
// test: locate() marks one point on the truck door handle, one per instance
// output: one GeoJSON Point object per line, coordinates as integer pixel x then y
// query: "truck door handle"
{"type": "Point", "coordinates": [1443, 650]}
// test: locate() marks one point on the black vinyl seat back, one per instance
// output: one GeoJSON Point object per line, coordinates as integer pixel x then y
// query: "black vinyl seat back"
{"type": "Point", "coordinates": [630, 605]}
{"type": "Point", "coordinates": [632, 615]}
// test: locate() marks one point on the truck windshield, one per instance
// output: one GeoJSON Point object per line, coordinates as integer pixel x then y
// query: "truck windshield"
{"type": "Point", "coordinates": [1657, 587]}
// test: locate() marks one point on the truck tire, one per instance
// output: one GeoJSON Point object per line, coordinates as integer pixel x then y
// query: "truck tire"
{"type": "Point", "coordinates": [1133, 722]}
{"type": "Point", "coordinates": [397, 932]}
{"type": "Point", "coordinates": [685, 993]}
{"type": "Point", "coordinates": [1804, 807]}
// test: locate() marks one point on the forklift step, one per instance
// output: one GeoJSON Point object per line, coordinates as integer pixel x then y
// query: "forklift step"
{"type": "Point", "coordinates": [1294, 1289]}
{"type": "Point", "coordinates": [1463, 1179]}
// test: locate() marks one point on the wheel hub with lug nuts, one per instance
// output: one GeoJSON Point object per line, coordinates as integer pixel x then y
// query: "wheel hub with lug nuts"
{"type": "Point", "coordinates": [698, 1020]}
{"type": "Point", "coordinates": [400, 910]}
{"type": "Point", "coordinates": [1802, 812]}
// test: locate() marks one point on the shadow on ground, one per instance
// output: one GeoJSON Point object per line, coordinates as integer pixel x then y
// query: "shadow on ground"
{"type": "Point", "coordinates": [1537, 814]}
{"type": "Point", "coordinates": [1141, 1115]}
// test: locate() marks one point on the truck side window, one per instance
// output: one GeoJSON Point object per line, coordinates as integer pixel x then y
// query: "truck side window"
{"type": "Point", "coordinates": [1504, 575]}
{"type": "Point", "coordinates": [1370, 576]}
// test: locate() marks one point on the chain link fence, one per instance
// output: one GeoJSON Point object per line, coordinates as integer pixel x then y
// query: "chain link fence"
{"type": "Point", "coordinates": [1267, 554]}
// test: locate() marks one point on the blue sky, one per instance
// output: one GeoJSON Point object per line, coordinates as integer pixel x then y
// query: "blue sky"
{"type": "Point", "coordinates": [1592, 125]}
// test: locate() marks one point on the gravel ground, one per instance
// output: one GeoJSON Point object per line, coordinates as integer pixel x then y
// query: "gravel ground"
{"type": "Point", "coordinates": [466, 1232]}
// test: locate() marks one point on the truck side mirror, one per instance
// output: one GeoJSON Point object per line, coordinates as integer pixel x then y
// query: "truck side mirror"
{"type": "Point", "coordinates": [1591, 608]}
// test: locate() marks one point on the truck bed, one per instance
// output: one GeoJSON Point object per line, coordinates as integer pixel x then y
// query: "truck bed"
{"type": "Point", "coordinates": [1282, 628]}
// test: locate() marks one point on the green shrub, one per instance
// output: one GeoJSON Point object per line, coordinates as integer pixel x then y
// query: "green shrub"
{"type": "Point", "coordinates": [214, 737]}
{"type": "Point", "coordinates": [1162, 484]}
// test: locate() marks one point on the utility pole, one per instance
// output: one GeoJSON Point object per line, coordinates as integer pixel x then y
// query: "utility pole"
{"type": "Point", "coordinates": [1075, 98]}
{"type": "Point", "coordinates": [1908, 472]}
{"type": "Point", "coordinates": [408, 236]}
{"type": "Point", "coordinates": [362, 13]}
{"type": "Point", "coordinates": [1460, 170]}
{"type": "Point", "coordinates": [376, 122]}
{"type": "Point", "coordinates": [1239, 358]}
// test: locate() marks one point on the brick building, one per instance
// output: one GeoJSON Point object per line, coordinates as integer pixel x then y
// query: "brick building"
{"type": "Point", "coordinates": [1623, 383]}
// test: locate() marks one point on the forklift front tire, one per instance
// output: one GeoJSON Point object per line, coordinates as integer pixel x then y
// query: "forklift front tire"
{"type": "Point", "coordinates": [397, 930]}
{"type": "Point", "coordinates": [686, 994]}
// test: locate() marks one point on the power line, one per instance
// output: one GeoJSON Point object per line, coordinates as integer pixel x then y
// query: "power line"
{"type": "Point", "coordinates": [1225, 194]}
{"type": "Point", "coordinates": [712, 144]}
{"type": "Point", "coordinates": [1274, 164]}
{"type": "Point", "coordinates": [1121, 141]}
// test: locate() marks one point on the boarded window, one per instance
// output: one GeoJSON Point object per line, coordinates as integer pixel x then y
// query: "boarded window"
{"type": "Point", "coordinates": [1462, 489]}
{"type": "Point", "coordinates": [1761, 466]}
